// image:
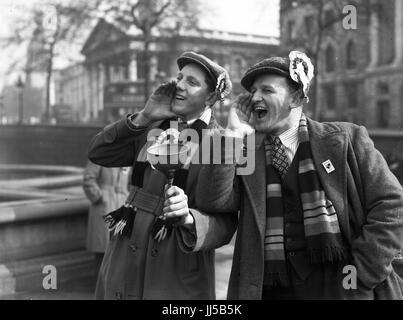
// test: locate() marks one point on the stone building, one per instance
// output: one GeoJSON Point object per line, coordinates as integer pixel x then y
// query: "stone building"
{"type": "Point", "coordinates": [360, 70]}
{"type": "Point", "coordinates": [110, 82]}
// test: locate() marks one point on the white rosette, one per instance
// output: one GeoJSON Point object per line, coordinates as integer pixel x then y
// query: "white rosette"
{"type": "Point", "coordinates": [224, 85]}
{"type": "Point", "coordinates": [301, 70]}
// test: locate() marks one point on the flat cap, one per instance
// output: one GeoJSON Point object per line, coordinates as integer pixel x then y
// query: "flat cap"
{"type": "Point", "coordinates": [215, 72]}
{"type": "Point", "coordinates": [273, 65]}
{"type": "Point", "coordinates": [297, 67]}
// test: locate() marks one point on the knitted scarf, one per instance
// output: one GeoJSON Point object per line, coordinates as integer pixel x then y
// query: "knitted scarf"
{"type": "Point", "coordinates": [121, 221]}
{"type": "Point", "coordinates": [322, 232]}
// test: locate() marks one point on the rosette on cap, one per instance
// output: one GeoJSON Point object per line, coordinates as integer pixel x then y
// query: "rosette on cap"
{"type": "Point", "coordinates": [301, 70]}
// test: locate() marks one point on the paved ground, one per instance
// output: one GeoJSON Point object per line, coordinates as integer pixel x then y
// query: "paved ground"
{"type": "Point", "coordinates": [84, 289]}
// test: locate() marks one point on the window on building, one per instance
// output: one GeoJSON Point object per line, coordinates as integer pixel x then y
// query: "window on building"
{"type": "Point", "coordinates": [107, 74]}
{"type": "Point", "coordinates": [330, 97]}
{"type": "Point", "coordinates": [164, 62]}
{"type": "Point", "coordinates": [383, 113]}
{"type": "Point", "coordinates": [351, 90]}
{"type": "Point", "coordinates": [238, 70]}
{"type": "Point", "coordinates": [126, 72]}
{"type": "Point", "coordinates": [382, 88]}
{"type": "Point", "coordinates": [290, 30]}
{"type": "Point", "coordinates": [141, 70]}
{"type": "Point", "coordinates": [330, 59]}
{"type": "Point", "coordinates": [329, 18]}
{"type": "Point", "coordinates": [351, 55]}
{"type": "Point", "coordinates": [309, 24]}
{"type": "Point", "coordinates": [401, 103]}
{"type": "Point", "coordinates": [386, 32]}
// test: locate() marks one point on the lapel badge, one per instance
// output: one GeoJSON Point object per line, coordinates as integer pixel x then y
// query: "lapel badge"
{"type": "Point", "coordinates": [328, 166]}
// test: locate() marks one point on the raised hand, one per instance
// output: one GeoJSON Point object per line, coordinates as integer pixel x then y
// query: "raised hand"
{"type": "Point", "coordinates": [158, 106]}
{"type": "Point", "coordinates": [239, 116]}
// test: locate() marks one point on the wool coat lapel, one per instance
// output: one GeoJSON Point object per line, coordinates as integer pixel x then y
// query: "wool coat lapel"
{"type": "Point", "coordinates": [331, 145]}
{"type": "Point", "coordinates": [326, 144]}
{"type": "Point", "coordinates": [255, 184]}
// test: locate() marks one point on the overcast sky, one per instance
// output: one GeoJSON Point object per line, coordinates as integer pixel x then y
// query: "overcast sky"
{"type": "Point", "coordinates": [245, 16]}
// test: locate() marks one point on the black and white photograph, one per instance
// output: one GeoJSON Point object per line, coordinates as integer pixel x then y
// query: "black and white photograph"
{"type": "Point", "coordinates": [201, 150]}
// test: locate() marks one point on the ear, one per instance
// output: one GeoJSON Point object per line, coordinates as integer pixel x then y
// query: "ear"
{"type": "Point", "coordinates": [211, 98]}
{"type": "Point", "coordinates": [295, 100]}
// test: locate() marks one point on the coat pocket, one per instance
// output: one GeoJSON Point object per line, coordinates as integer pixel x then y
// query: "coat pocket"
{"type": "Point", "coordinates": [390, 289]}
{"type": "Point", "coordinates": [190, 263]}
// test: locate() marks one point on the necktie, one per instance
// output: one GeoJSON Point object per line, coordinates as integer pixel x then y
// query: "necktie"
{"type": "Point", "coordinates": [182, 125]}
{"type": "Point", "coordinates": [278, 156]}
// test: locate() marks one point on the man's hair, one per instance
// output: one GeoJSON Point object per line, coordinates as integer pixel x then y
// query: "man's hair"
{"type": "Point", "coordinates": [296, 89]}
{"type": "Point", "coordinates": [210, 83]}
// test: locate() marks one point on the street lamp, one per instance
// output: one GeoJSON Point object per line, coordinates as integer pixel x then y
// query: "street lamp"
{"type": "Point", "coordinates": [20, 87]}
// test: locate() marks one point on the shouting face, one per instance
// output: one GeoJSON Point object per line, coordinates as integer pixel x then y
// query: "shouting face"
{"type": "Point", "coordinates": [192, 92]}
{"type": "Point", "coordinates": [273, 104]}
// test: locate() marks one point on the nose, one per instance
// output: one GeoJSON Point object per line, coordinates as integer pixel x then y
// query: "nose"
{"type": "Point", "coordinates": [256, 97]}
{"type": "Point", "coordinates": [180, 85]}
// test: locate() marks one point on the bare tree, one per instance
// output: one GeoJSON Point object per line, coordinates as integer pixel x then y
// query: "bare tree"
{"type": "Point", "coordinates": [164, 17]}
{"type": "Point", "coordinates": [42, 29]}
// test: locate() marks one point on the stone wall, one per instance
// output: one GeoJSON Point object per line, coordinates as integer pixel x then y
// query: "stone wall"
{"type": "Point", "coordinates": [55, 145]}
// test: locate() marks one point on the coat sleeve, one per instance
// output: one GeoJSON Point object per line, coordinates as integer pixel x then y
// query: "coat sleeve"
{"type": "Point", "coordinates": [218, 185]}
{"type": "Point", "coordinates": [115, 145]}
{"type": "Point", "coordinates": [218, 188]}
{"type": "Point", "coordinates": [381, 236]}
{"type": "Point", "coordinates": [90, 182]}
{"type": "Point", "coordinates": [217, 200]}
{"type": "Point", "coordinates": [210, 231]}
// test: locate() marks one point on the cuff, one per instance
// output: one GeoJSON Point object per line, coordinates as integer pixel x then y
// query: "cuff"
{"type": "Point", "coordinates": [188, 236]}
{"type": "Point", "coordinates": [131, 126]}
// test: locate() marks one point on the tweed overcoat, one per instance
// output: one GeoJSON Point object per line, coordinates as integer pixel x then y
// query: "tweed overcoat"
{"type": "Point", "coordinates": [367, 197]}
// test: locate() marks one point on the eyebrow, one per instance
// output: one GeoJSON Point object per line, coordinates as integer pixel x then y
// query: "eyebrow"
{"type": "Point", "coordinates": [264, 87]}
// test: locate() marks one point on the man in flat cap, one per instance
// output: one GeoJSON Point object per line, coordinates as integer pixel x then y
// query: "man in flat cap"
{"type": "Point", "coordinates": [321, 216]}
{"type": "Point", "coordinates": [147, 257]}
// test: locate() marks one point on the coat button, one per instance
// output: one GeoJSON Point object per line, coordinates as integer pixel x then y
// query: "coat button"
{"type": "Point", "coordinates": [291, 254]}
{"type": "Point", "coordinates": [118, 295]}
{"type": "Point", "coordinates": [133, 247]}
{"type": "Point", "coordinates": [289, 240]}
{"type": "Point", "coordinates": [154, 252]}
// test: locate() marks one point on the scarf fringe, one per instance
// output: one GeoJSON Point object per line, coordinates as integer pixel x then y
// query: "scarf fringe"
{"type": "Point", "coordinates": [121, 220]}
{"type": "Point", "coordinates": [326, 254]}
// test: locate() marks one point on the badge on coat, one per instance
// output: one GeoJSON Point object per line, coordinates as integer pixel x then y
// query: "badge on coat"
{"type": "Point", "coordinates": [328, 165]}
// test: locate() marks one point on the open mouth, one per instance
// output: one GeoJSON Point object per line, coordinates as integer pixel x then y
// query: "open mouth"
{"type": "Point", "coordinates": [179, 97]}
{"type": "Point", "coordinates": [260, 112]}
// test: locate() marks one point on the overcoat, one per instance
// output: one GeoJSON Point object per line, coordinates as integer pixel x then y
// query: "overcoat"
{"type": "Point", "coordinates": [139, 267]}
{"type": "Point", "coordinates": [367, 197]}
{"type": "Point", "coordinates": [106, 189]}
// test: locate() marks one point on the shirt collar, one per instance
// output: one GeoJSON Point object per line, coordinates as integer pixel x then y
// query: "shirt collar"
{"type": "Point", "coordinates": [290, 136]}
{"type": "Point", "coordinates": [205, 117]}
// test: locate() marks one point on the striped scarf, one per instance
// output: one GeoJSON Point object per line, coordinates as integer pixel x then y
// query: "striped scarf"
{"type": "Point", "coordinates": [322, 232]}
{"type": "Point", "coordinates": [121, 221]}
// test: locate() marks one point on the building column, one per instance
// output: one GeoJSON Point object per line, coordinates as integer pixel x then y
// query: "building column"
{"type": "Point", "coordinates": [153, 67]}
{"type": "Point", "coordinates": [133, 67]}
{"type": "Point", "coordinates": [101, 83]}
{"type": "Point", "coordinates": [398, 31]}
{"type": "Point", "coordinates": [94, 90]}
{"type": "Point", "coordinates": [373, 35]}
